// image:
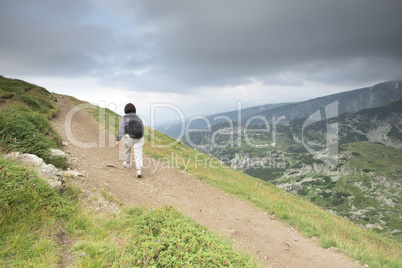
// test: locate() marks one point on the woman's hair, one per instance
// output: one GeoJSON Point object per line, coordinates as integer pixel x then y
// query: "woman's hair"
{"type": "Point", "coordinates": [130, 108]}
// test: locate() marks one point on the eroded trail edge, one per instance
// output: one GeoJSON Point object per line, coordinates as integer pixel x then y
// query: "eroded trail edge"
{"type": "Point", "coordinates": [252, 230]}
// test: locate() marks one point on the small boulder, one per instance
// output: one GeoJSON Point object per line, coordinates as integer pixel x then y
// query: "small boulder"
{"type": "Point", "coordinates": [48, 172]}
{"type": "Point", "coordinates": [57, 152]}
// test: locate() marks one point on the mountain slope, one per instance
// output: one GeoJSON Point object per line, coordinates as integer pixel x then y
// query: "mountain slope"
{"type": "Point", "coordinates": [347, 102]}
{"type": "Point", "coordinates": [338, 188]}
{"type": "Point", "coordinates": [173, 129]}
{"type": "Point", "coordinates": [379, 124]}
{"type": "Point", "coordinates": [24, 126]}
{"type": "Point", "coordinates": [365, 187]}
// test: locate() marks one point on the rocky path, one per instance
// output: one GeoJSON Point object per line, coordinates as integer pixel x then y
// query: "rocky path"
{"type": "Point", "coordinates": [252, 230]}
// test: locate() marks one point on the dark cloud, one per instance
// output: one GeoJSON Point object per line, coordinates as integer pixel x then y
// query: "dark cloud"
{"type": "Point", "coordinates": [212, 42]}
{"type": "Point", "coordinates": [181, 45]}
{"type": "Point", "coordinates": [64, 38]}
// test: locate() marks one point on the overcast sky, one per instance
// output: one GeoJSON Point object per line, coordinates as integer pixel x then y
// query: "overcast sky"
{"type": "Point", "coordinates": [200, 56]}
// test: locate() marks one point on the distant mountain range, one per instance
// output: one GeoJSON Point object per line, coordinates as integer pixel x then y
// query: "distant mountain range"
{"type": "Point", "coordinates": [347, 102]}
{"type": "Point", "coordinates": [379, 124]}
{"type": "Point", "coordinates": [173, 129]}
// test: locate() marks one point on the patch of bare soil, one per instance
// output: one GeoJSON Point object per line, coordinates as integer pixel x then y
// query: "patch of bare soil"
{"type": "Point", "coordinates": [65, 242]}
{"type": "Point", "coordinates": [252, 230]}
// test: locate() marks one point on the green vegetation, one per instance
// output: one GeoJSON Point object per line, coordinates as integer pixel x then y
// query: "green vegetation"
{"type": "Point", "coordinates": [38, 99]}
{"type": "Point", "coordinates": [24, 126]}
{"type": "Point", "coordinates": [377, 187]}
{"type": "Point", "coordinates": [160, 237]}
{"type": "Point", "coordinates": [370, 197]}
{"type": "Point", "coordinates": [35, 221]}
{"type": "Point", "coordinates": [30, 217]}
{"type": "Point", "coordinates": [381, 158]}
{"type": "Point", "coordinates": [266, 174]}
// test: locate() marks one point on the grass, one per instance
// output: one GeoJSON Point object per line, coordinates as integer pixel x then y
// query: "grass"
{"type": "Point", "coordinates": [38, 99]}
{"type": "Point", "coordinates": [30, 214]}
{"type": "Point", "coordinates": [160, 237]}
{"type": "Point", "coordinates": [24, 125]}
{"type": "Point", "coordinates": [33, 216]}
{"type": "Point", "coordinates": [381, 158]}
{"type": "Point", "coordinates": [108, 197]}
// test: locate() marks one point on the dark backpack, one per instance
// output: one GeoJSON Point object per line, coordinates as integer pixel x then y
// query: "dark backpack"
{"type": "Point", "coordinates": [134, 127]}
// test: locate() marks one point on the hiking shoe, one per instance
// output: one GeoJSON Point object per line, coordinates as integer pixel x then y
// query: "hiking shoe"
{"type": "Point", "coordinates": [126, 165]}
{"type": "Point", "coordinates": [139, 173]}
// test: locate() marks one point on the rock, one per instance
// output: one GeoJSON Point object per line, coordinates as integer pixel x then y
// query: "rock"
{"type": "Point", "coordinates": [48, 172]}
{"type": "Point", "coordinates": [231, 232]}
{"type": "Point", "coordinates": [110, 165]}
{"type": "Point", "coordinates": [72, 160]}
{"type": "Point", "coordinates": [57, 152]}
{"type": "Point", "coordinates": [29, 159]}
{"type": "Point", "coordinates": [65, 143]}
{"type": "Point", "coordinates": [296, 187]}
{"type": "Point", "coordinates": [59, 186]}
{"type": "Point", "coordinates": [72, 173]}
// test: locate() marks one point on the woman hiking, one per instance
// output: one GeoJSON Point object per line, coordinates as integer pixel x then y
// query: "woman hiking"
{"type": "Point", "coordinates": [131, 129]}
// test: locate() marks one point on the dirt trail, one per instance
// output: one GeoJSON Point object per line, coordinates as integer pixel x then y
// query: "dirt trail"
{"type": "Point", "coordinates": [271, 241]}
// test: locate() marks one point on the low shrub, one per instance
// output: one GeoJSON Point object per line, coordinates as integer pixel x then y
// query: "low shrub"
{"type": "Point", "coordinates": [25, 131]}
{"type": "Point", "coordinates": [156, 238]}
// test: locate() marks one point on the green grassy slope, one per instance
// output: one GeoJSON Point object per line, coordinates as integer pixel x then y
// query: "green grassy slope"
{"type": "Point", "coordinates": [24, 126]}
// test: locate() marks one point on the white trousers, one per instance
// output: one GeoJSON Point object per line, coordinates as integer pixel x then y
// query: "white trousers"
{"type": "Point", "coordinates": [137, 144]}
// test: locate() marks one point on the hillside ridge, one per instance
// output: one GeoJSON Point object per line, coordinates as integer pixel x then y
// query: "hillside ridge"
{"type": "Point", "coordinates": [350, 101]}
